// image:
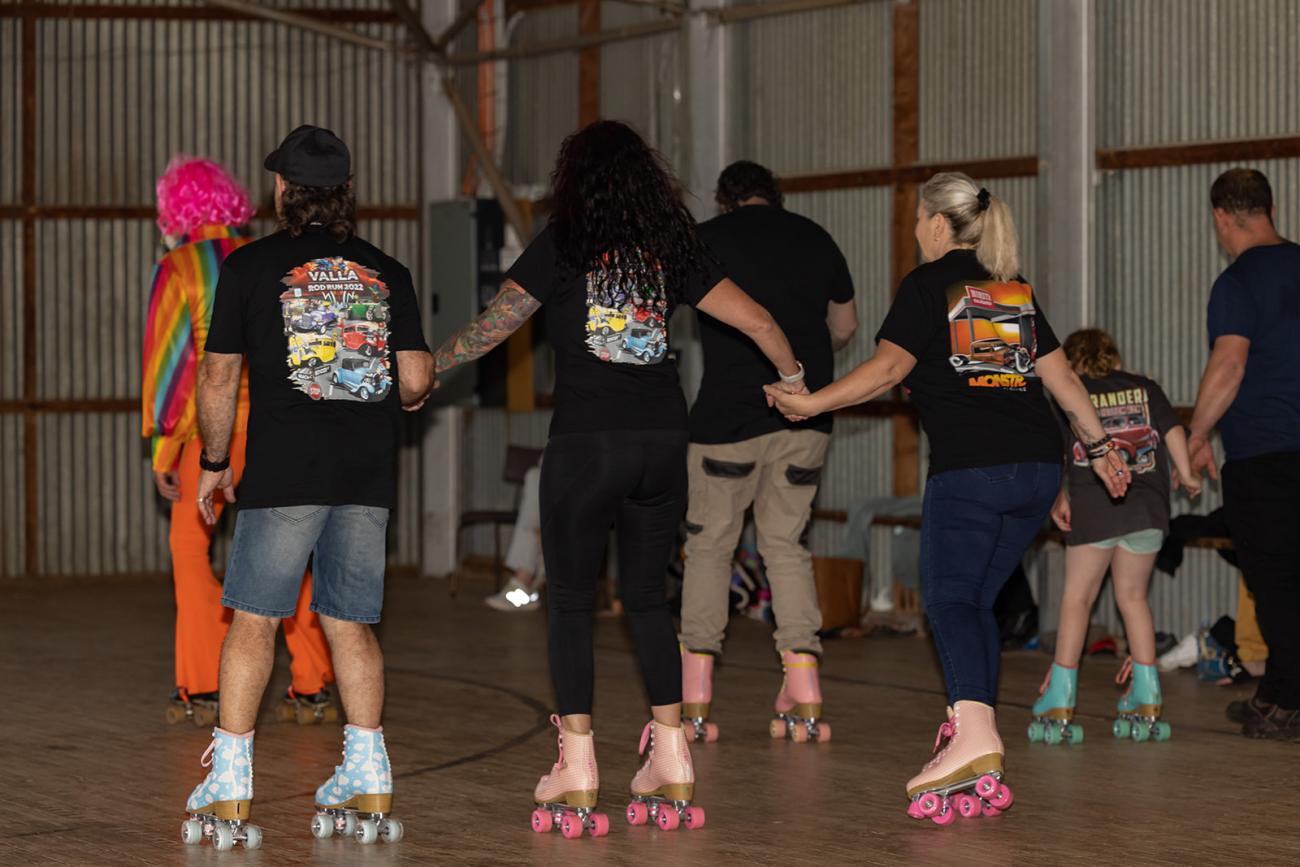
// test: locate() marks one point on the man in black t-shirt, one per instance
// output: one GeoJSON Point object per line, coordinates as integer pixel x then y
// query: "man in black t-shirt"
{"type": "Point", "coordinates": [335, 351]}
{"type": "Point", "coordinates": [745, 453]}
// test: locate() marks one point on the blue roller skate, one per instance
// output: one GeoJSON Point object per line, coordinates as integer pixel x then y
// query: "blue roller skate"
{"type": "Point", "coordinates": [1054, 710]}
{"type": "Point", "coordinates": [220, 806]}
{"type": "Point", "coordinates": [1139, 707]}
{"type": "Point", "coordinates": [356, 801]}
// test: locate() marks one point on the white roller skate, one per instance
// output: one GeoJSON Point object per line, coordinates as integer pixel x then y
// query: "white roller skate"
{"type": "Point", "coordinates": [566, 797]}
{"type": "Point", "coordinates": [966, 774]}
{"type": "Point", "coordinates": [662, 790]}
{"type": "Point", "coordinates": [798, 705]}
{"type": "Point", "coordinates": [356, 801]}
{"type": "Point", "coordinates": [220, 806]}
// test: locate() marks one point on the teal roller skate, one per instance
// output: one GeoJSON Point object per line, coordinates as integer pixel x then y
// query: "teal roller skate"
{"type": "Point", "coordinates": [1054, 709]}
{"type": "Point", "coordinates": [1139, 707]}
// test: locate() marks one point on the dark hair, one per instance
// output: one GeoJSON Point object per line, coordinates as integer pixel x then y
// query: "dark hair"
{"type": "Point", "coordinates": [743, 180]}
{"type": "Point", "coordinates": [612, 197]}
{"type": "Point", "coordinates": [332, 208]}
{"type": "Point", "coordinates": [1242, 192]}
{"type": "Point", "coordinates": [1092, 353]}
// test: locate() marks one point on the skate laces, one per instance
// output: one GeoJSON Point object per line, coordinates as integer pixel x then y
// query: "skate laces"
{"type": "Point", "coordinates": [645, 736]}
{"type": "Point", "coordinates": [1125, 671]}
{"type": "Point", "coordinates": [946, 730]}
{"type": "Point", "coordinates": [559, 761]}
{"type": "Point", "coordinates": [1047, 681]}
{"type": "Point", "coordinates": [207, 759]}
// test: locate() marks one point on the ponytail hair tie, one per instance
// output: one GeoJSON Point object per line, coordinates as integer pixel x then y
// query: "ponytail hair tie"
{"type": "Point", "coordinates": [983, 199]}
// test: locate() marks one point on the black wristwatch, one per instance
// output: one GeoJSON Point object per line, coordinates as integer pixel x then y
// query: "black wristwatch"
{"type": "Point", "coordinates": [213, 466]}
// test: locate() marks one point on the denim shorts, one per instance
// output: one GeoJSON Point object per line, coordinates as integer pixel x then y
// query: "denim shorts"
{"type": "Point", "coordinates": [269, 554]}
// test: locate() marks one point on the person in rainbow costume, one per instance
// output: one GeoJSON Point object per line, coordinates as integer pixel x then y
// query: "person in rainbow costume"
{"type": "Point", "coordinates": [202, 212]}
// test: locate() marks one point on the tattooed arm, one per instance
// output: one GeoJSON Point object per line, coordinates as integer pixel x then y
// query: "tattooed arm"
{"type": "Point", "coordinates": [510, 309]}
{"type": "Point", "coordinates": [1066, 387]}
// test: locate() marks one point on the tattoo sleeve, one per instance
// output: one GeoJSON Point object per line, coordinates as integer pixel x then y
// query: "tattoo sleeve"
{"type": "Point", "coordinates": [217, 396]}
{"type": "Point", "coordinates": [510, 309]}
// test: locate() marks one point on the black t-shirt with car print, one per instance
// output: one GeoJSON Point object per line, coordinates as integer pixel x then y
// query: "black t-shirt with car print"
{"type": "Point", "coordinates": [1138, 417]}
{"type": "Point", "coordinates": [976, 341]}
{"type": "Point", "coordinates": [321, 323]}
{"type": "Point", "coordinates": [609, 329]}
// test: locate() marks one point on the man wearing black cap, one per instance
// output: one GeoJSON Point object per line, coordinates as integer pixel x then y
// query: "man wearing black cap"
{"type": "Point", "coordinates": [332, 334]}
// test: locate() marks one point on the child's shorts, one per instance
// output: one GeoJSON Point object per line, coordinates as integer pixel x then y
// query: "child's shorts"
{"type": "Point", "coordinates": [1139, 542]}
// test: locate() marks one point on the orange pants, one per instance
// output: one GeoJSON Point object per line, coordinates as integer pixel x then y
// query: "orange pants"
{"type": "Point", "coordinates": [201, 620]}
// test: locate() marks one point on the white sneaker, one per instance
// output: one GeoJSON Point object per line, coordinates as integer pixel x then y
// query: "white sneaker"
{"type": "Point", "coordinates": [514, 597]}
{"type": "Point", "coordinates": [1183, 654]}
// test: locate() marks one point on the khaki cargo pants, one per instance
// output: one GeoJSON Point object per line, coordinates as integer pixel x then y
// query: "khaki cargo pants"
{"type": "Point", "coordinates": [778, 473]}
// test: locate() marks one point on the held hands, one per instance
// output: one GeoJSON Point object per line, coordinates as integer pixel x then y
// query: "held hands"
{"type": "Point", "coordinates": [209, 483]}
{"type": "Point", "coordinates": [791, 399]}
{"type": "Point", "coordinates": [416, 406]}
{"type": "Point", "coordinates": [1202, 458]}
{"type": "Point", "coordinates": [1113, 472]}
{"type": "Point", "coordinates": [1191, 483]}
{"type": "Point", "coordinates": [168, 485]}
{"type": "Point", "coordinates": [1061, 511]}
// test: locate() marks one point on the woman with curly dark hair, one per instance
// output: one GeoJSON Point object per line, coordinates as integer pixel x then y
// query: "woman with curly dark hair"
{"type": "Point", "coordinates": [619, 253]}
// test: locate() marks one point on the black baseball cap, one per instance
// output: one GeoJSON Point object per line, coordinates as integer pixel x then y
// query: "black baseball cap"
{"type": "Point", "coordinates": [311, 157]}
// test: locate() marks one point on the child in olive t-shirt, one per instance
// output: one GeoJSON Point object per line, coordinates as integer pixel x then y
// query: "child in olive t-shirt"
{"type": "Point", "coordinates": [1120, 536]}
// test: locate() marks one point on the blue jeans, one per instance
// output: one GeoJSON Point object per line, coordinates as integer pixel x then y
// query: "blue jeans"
{"type": "Point", "coordinates": [269, 555]}
{"type": "Point", "coordinates": [975, 527]}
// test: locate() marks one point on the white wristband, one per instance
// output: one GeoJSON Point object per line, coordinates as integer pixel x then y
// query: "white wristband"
{"type": "Point", "coordinates": [793, 378]}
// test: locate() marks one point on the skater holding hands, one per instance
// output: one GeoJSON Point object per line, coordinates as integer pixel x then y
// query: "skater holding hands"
{"type": "Point", "coordinates": [966, 336]}
{"type": "Point", "coordinates": [1121, 537]}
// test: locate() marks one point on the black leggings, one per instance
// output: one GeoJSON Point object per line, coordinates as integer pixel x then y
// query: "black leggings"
{"type": "Point", "coordinates": [634, 481]}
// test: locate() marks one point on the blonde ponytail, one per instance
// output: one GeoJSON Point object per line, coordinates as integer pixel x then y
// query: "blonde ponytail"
{"type": "Point", "coordinates": [985, 225]}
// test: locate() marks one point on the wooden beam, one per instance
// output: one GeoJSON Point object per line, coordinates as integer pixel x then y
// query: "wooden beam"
{"type": "Point", "coordinates": [30, 377]}
{"type": "Point", "coordinates": [414, 25]}
{"type": "Point", "coordinates": [588, 64]}
{"type": "Point", "coordinates": [639, 30]}
{"type": "Point", "coordinates": [118, 11]}
{"type": "Point", "coordinates": [902, 259]}
{"type": "Point", "coordinates": [148, 212]}
{"type": "Point", "coordinates": [732, 14]}
{"type": "Point", "coordinates": [884, 176]}
{"type": "Point", "coordinates": [1198, 153]}
{"type": "Point", "coordinates": [307, 22]}
{"type": "Point", "coordinates": [33, 406]}
{"type": "Point", "coordinates": [459, 23]}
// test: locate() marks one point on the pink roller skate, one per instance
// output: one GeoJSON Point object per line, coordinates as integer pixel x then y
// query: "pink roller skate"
{"type": "Point", "coordinates": [965, 776]}
{"type": "Point", "coordinates": [566, 797]}
{"type": "Point", "coordinates": [799, 704]}
{"type": "Point", "coordinates": [697, 693]}
{"type": "Point", "coordinates": [663, 788]}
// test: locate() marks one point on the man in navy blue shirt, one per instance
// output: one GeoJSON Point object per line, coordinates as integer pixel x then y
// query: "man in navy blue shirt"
{"type": "Point", "coordinates": [1251, 391]}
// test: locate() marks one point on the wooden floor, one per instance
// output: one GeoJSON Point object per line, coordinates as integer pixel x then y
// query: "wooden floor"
{"type": "Point", "coordinates": [94, 776]}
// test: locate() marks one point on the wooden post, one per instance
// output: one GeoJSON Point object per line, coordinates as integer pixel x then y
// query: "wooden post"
{"type": "Point", "coordinates": [906, 140]}
{"type": "Point", "coordinates": [31, 426]}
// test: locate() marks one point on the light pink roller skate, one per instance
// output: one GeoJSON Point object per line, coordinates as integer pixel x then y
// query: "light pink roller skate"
{"type": "Point", "coordinates": [566, 797]}
{"type": "Point", "coordinates": [965, 776]}
{"type": "Point", "coordinates": [663, 788]}
{"type": "Point", "coordinates": [697, 693]}
{"type": "Point", "coordinates": [799, 704]}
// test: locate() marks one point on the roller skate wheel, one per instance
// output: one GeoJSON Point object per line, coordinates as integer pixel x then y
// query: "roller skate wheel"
{"type": "Point", "coordinates": [946, 816]}
{"type": "Point", "coordinates": [710, 732]}
{"type": "Point", "coordinates": [599, 824]}
{"type": "Point", "coordinates": [347, 824]}
{"type": "Point", "coordinates": [989, 811]}
{"type": "Point", "coordinates": [191, 832]}
{"type": "Point", "coordinates": [285, 711]}
{"type": "Point", "coordinates": [1122, 728]}
{"type": "Point", "coordinates": [1162, 731]}
{"type": "Point", "coordinates": [1002, 798]}
{"type": "Point", "coordinates": [967, 806]}
{"type": "Point", "coordinates": [331, 714]}
{"type": "Point", "coordinates": [322, 826]}
{"type": "Point", "coordinates": [391, 830]}
{"type": "Point", "coordinates": [694, 817]}
{"type": "Point", "coordinates": [305, 716]}
{"type": "Point", "coordinates": [914, 810]}
{"type": "Point", "coordinates": [637, 813]}
{"type": "Point", "coordinates": [823, 732]}
{"type": "Point", "coordinates": [799, 733]}
{"type": "Point", "coordinates": [204, 716]}
{"type": "Point", "coordinates": [1052, 735]}
{"type": "Point", "coordinates": [543, 821]}
{"type": "Point", "coordinates": [252, 837]}
{"type": "Point", "coordinates": [176, 715]}
{"type": "Point", "coordinates": [776, 728]}
{"type": "Point", "coordinates": [928, 805]}
{"type": "Point", "coordinates": [571, 826]}
{"type": "Point", "coordinates": [367, 832]}
{"type": "Point", "coordinates": [667, 819]}
{"type": "Point", "coordinates": [1141, 732]}
{"type": "Point", "coordinates": [223, 839]}
{"type": "Point", "coordinates": [1076, 734]}
{"type": "Point", "coordinates": [1036, 731]}
{"type": "Point", "coordinates": [986, 785]}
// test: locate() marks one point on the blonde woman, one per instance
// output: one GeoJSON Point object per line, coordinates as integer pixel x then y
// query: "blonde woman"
{"type": "Point", "coordinates": [967, 338]}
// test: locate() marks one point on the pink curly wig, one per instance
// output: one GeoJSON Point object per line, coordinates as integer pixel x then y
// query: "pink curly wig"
{"type": "Point", "coordinates": [194, 192]}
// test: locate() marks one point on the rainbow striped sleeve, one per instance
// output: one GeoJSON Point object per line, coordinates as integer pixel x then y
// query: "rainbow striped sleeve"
{"type": "Point", "coordinates": [169, 363]}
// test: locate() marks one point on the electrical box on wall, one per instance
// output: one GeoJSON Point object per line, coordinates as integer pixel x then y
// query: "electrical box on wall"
{"type": "Point", "coordinates": [466, 236]}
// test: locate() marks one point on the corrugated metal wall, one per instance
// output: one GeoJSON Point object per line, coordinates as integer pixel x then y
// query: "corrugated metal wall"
{"type": "Point", "coordinates": [812, 92]}
{"type": "Point", "coordinates": [979, 79]}
{"type": "Point", "coordinates": [543, 97]}
{"type": "Point", "coordinates": [642, 82]}
{"type": "Point", "coordinates": [1191, 70]}
{"type": "Point", "coordinates": [115, 99]}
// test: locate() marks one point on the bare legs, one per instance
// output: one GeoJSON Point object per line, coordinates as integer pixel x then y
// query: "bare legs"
{"type": "Point", "coordinates": [1085, 569]}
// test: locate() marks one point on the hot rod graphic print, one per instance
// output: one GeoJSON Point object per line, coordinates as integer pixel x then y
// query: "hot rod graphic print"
{"type": "Point", "coordinates": [336, 321]}
{"type": "Point", "coordinates": [626, 308]}
{"type": "Point", "coordinates": [991, 333]}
